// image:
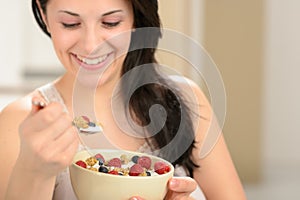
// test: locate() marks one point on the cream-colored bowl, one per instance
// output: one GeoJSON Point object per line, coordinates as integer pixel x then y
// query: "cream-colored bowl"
{"type": "Point", "coordinates": [91, 185]}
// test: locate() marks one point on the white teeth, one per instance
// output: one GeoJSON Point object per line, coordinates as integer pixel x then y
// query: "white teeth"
{"type": "Point", "coordinates": [94, 61]}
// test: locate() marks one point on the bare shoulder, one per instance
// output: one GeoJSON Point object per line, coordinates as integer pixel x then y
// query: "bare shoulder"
{"type": "Point", "coordinates": [196, 100]}
{"type": "Point", "coordinates": [205, 124]}
{"type": "Point", "coordinates": [190, 89]}
{"type": "Point", "coordinates": [14, 113]}
{"type": "Point", "coordinates": [10, 119]}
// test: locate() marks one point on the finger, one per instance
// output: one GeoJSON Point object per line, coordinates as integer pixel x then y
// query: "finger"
{"type": "Point", "coordinates": [46, 132]}
{"type": "Point", "coordinates": [182, 184]}
{"type": "Point", "coordinates": [58, 127]}
{"type": "Point", "coordinates": [46, 116]}
{"type": "Point", "coordinates": [65, 139]}
{"type": "Point", "coordinates": [70, 151]}
{"type": "Point", "coordinates": [63, 148]}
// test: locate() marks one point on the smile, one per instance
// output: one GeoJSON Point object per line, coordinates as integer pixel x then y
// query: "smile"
{"type": "Point", "coordinates": [92, 61]}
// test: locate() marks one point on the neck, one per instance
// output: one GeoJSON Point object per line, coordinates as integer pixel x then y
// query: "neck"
{"type": "Point", "coordinates": [82, 99]}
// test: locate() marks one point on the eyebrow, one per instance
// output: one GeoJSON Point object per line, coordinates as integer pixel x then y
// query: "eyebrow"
{"type": "Point", "coordinates": [68, 12]}
{"type": "Point", "coordinates": [111, 12]}
{"type": "Point", "coordinates": [77, 15]}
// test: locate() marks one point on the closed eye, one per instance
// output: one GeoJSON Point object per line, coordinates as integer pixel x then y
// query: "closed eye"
{"type": "Point", "coordinates": [74, 25]}
{"type": "Point", "coordinates": [111, 24]}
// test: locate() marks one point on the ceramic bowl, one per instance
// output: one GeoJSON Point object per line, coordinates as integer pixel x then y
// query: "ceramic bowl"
{"type": "Point", "coordinates": [91, 185]}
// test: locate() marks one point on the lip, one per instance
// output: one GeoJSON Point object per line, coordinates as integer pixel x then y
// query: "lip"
{"type": "Point", "coordinates": [92, 64]}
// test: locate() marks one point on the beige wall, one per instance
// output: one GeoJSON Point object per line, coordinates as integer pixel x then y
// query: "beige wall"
{"type": "Point", "coordinates": [232, 34]}
{"type": "Point", "coordinates": [184, 17]}
{"type": "Point", "coordinates": [173, 22]}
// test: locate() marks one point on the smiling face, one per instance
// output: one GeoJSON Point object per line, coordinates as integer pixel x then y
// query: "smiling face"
{"type": "Point", "coordinates": [91, 37]}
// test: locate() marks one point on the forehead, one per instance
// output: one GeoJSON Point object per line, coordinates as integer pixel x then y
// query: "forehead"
{"type": "Point", "coordinates": [89, 7]}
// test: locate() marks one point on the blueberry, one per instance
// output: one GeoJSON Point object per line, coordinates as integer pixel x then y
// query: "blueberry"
{"type": "Point", "coordinates": [101, 162]}
{"type": "Point", "coordinates": [103, 169]}
{"type": "Point", "coordinates": [148, 173]}
{"type": "Point", "coordinates": [92, 124]}
{"type": "Point", "coordinates": [135, 159]}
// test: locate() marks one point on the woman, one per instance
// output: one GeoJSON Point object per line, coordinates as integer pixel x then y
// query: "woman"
{"type": "Point", "coordinates": [98, 38]}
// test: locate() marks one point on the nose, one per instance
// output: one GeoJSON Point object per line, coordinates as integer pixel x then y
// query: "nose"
{"type": "Point", "coordinates": [92, 39]}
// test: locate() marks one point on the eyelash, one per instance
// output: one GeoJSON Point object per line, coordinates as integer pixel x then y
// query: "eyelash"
{"type": "Point", "coordinates": [70, 26]}
{"type": "Point", "coordinates": [105, 24]}
{"type": "Point", "coordinates": [111, 24]}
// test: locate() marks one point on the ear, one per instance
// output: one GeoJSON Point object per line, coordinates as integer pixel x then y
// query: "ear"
{"type": "Point", "coordinates": [44, 17]}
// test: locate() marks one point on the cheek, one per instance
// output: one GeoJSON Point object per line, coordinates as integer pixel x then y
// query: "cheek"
{"type": "Point", "coordinates": [63, 41]}
{"type": "Point", "coordinates": [120, 42]}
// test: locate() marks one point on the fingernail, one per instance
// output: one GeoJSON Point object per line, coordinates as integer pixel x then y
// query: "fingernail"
{"type": "Point", "coordinates": [174, 183]}
{"type": "Point", "coordinates": [40, 104]}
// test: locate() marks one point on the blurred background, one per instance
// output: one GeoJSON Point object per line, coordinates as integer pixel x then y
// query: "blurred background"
{"type": "Point", "coordinates": [254, 43]}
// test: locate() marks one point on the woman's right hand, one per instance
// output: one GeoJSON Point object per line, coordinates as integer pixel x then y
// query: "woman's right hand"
{"type": "Point", "coordinates": [48, 140]}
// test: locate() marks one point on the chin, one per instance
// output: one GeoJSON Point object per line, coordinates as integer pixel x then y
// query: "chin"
{"type": "Point", "coordinates": [88, 81]}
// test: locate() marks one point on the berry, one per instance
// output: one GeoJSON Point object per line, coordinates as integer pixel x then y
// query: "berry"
{"type": "Point", "coordinates": [115, 162]}
{"type": "Point", "coordinates": [144, 161]}
{"type": "Point", "coordinates": [81, 163]}
{"type": "Point", "coordinates": [103, 169]}
{"type": "Point", "coordinates": [167, 168]}
{"type": "Point", "coordinates": [161, 167]}
{"type": "Point", "coordinates": [99, 156]}
{"type": "Point", "coordinates": [135, 159]}
{"type": "Point", "coordinates": [92, 124]}
{"type": "Point", "coordinates": [148, 173]}
{"type": "Point", "coordinates": [136, 170]}
{"type": "Point", "coordinates": [86, 119]}
{"type": "Point", "coordinates": [100, 161]}
{"type": "Point", "coordinates": [114, 172]}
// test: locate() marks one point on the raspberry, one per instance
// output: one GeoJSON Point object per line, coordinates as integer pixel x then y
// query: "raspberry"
{"type": "Point", "coordinates": [115, 162]}
{"type": "Point", "coordinates": [161, 167]}
{"type": "Point", "coordinates": [167, 168]}
{"type": "Point", "coordinates": [86, 119]}
{"type": "Point", "coordinates": [114, 172]}
{"type": "Point", "coordinates": [136, 170]}
{"type": "Point", "coordinates": [144, 161]}
{"type": "Point", "coordinates": [81, 163]}
{"type": "Point", "coordinates": [99, 156]}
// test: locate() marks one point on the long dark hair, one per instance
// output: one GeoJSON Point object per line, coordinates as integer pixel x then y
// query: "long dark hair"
{"type": "Point", "coordinates": [178, 116]}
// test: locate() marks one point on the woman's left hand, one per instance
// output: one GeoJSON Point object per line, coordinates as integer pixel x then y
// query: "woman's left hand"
{"type": "Point", "coordinates": [178, 188]}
